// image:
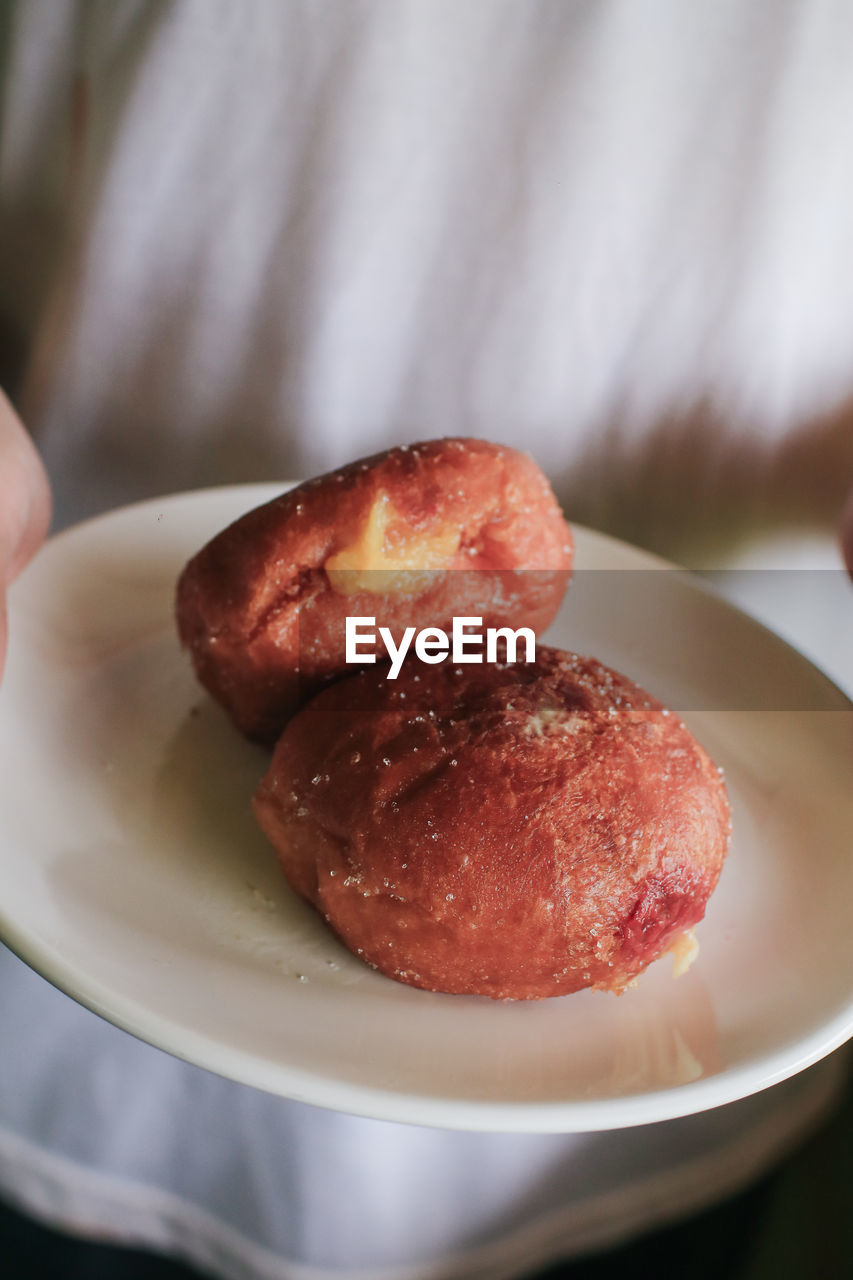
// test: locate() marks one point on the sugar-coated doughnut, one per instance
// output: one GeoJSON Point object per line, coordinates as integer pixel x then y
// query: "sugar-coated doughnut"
{"type": "Point", "coordinates": [413, 537]}
{"type": "Point", "coordinates": [511, 831]}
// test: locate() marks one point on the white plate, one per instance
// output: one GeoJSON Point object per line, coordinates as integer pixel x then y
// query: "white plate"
{"type": "Point", "coordinates": [133, 876]}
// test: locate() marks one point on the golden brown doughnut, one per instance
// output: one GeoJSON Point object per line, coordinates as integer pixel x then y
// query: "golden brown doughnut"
{"type": "Point", "coordinates": [413, 536]}
{"type": "Point", "coordinates": [510, 831]}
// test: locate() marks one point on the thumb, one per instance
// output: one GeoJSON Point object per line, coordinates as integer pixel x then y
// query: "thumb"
{"type": "Point", "coordinates": [24, 504]}
{"type": "Point", "coordinates": [24, 495]}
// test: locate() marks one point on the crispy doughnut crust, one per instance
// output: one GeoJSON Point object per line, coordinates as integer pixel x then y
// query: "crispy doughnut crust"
{"type": "Point", "coordinates": [262, 607]}
{"type": "Point", "coordinates": [510, 831]}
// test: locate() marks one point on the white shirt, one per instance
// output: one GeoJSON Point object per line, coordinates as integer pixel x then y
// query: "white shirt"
{"type": "Point", "coordinates": [255, 241]}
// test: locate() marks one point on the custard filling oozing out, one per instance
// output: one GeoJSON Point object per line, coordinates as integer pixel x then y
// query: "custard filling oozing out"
{"type": "Point", "coordinates": [379, 563]}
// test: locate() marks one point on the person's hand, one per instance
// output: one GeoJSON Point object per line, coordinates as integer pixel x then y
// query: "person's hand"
{"type": "Point", "coordinates": [24, 504]}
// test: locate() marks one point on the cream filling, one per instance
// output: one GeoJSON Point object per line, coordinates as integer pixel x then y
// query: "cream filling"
{"type": "Point", "coordinates": [684, 951]}
{"type": "Point", "coordinates": [370, 564]}
{"type": "Point", "coordinates": [550, 720]}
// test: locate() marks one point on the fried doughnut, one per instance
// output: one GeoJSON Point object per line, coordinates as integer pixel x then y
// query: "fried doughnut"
{"type": "Point", "coordinates": [510, 831]}
{"type": "Point", "coordinates": [262, 607]}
